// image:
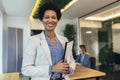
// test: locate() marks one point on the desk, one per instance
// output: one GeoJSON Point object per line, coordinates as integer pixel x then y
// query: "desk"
{"type": "Point", "coordinates": [82, 72]}
{"type": "Point", "coordinates": [9, 76]}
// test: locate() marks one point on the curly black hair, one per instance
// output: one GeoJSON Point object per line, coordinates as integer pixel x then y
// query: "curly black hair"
{"type": "Point", "coordinates": [49, 6]}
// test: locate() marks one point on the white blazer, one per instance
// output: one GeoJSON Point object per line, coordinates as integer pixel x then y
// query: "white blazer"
{"type": "Point", "coordinates": [37, 57]}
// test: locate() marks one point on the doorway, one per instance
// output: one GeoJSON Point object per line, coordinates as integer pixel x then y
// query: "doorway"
{"type": "Point", "coordinates": [15, 49]}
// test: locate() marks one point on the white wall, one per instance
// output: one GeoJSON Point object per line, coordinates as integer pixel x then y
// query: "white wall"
{"type": "Point", "coordinates": [17, 22]}
{"type": "Point", "coordinates": [1, 31]}
{"type": "Point", "coordinates": [36, 24]}
{"type": "Point", "coordinates": [61, 25]}
{"type": "Point", "coordinates": [116, 37]}
{"type": "Point", "coordinates": [90, 24]}
{"type": "Point", "coordinates": [22, 23]}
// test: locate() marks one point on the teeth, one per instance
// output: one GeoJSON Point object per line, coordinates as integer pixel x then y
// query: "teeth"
{"type": "Point", "coordinates": [50, 25]}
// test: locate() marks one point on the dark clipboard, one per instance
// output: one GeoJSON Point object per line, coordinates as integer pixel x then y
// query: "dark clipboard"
{"type": "Point", "coordinates": [65, 51]}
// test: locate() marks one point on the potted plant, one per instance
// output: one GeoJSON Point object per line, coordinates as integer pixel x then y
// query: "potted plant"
{"type": "Point", "coordinates": [70, 33]}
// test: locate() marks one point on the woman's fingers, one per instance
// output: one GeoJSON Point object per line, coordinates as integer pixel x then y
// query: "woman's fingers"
{"type": "Point", "coordinates": [61, 67]}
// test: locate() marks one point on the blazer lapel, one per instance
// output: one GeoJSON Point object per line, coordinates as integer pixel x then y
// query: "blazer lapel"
{"type": "Point", "coordinates": [45, 46]}
{"type": "Point", "coordinates": [62, 41]}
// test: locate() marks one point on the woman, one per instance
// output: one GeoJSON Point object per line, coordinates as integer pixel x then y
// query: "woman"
{"type": "Point", "coordinates": [43, 55]}
{"type": "Point", "coordinates": [83, 58]}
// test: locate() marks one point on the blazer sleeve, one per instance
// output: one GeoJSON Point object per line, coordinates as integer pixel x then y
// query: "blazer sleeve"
{"type": "Point", "coordinates": [28, 65]}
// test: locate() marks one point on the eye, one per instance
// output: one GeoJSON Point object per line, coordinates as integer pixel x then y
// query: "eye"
{"type": "Point", "coordinates": [54, 17]}
{"type": "Point", "coordinates": [46, 17]}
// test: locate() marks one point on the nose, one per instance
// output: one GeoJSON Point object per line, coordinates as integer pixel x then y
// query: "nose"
{"type": "Point", "coordinates": [50, 20]}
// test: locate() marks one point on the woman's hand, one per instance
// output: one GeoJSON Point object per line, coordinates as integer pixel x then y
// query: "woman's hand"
{"type": "Point", "coordinates": [61, 67]}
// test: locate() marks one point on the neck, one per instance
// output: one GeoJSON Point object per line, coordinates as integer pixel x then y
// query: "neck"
{"type": "Point", "coordinates": [83, 52]}
{"type": "Point", "coordinates": [50, 34]}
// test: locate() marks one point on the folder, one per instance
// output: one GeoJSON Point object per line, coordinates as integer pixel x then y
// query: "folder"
{"type": "Point", "coordinates": [67, 50]}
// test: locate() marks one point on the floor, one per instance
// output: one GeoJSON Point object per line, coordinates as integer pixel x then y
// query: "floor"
{"type": "Point", "coordinates": [112, 73]}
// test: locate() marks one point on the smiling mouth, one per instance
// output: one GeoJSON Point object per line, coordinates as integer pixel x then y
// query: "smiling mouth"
{"type": "Point", "coordinates": [50, 25]}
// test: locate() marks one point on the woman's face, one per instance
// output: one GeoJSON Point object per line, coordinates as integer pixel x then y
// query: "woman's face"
{"type": "Point", "coordinates": [82, 49]}
{"type": "Point", "coordinates": [50, 20]}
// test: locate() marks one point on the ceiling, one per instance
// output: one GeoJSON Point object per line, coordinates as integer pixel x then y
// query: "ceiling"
{"type": "Point", "coordinates": [20, 8]}
{"type": "Point", "coordinates": [106, 15]}
{"type": "Point", "coordinates": [81, 8]}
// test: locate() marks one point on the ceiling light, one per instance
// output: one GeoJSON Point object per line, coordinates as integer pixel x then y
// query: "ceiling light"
{"type": "Point", "coordinates": [35, 7]}
{"type": "Point", "coordinates": [94, 18]}
{"type": "Point", "coordinates": [69, 4]}
{"type": "Point", "coordinates": [88, 32]}
{"type": "Point", "coordinates": [104, 18]}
